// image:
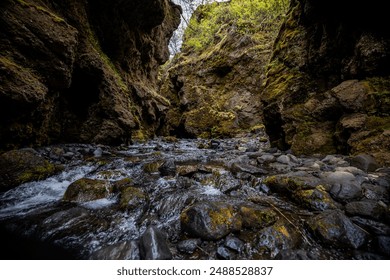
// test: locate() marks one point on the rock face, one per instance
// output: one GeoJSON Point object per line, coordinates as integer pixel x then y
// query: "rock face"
{"type": "Point", "coordinates": [327, 87]}
{"type": "Point", "coordinates": [81, 71]}
{"type": "Point", "coordinates": [213, 85]}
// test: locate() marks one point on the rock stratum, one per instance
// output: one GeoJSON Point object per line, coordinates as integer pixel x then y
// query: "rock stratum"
{"type": "Point", "coordinates": [81, 71]}
{"type": "Point", "coordinates": [328, 87]}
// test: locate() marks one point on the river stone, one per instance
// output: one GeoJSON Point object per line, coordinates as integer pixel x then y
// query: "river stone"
{"type": "Point", "coordinates": [346, 192]}
{"type": "Point", "coordinates": [364, 162]}
{"type": "Point", "coordinates": [210, 220]}
{"type": "Point", "coordinates": [290, 183]}
{"type": "Point", "coordinates": [366, 208]}
{"type": "Point", "coordinates": [334, 228]}
{"type": "Point", "coordinates": [154, 246]}
{"type": "Point", "coordinates": [266, 158]}
{"type": "Point", "coordinates": [86, 189]}
{"type": "Point", "coordinates": [383, 245]}
{"type": "Point", "coordinates": [376, 192]}
{"type": "Point", "coordinates": [188, 246]}
{"type": "Point", "coordinates": [289, 254]}
{"type": "Point", "coordinates": [278, 237]}
{"type": "Point", "coordinates": [257, 218]}
{"type": "Point", "coordinates": [315, 199]}
{"type": "Point", "coordinates": [21, 166]}
{"type": "Point", "coordinates": [168, 168]}
{"type": "Point", "coordinates": [234, 244]}
{"type": "Point", "coordinates": [246, 168]}
{"type": "Point", "coordinates": [132, 198]}
{"type": "Point", "coordinates": [224, 253]}
{"type": "Point", "coordinates": [374, 227]}
{"type": "Point", "coordinates": [127, 250]}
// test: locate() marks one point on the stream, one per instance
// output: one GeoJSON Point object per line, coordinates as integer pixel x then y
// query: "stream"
{"type": "Point", "coordinates": [197, 199]}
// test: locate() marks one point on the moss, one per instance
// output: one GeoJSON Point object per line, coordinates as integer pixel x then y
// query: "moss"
{"type": "Point", "coordinates": [152, 167]}
{"type": "Point", "coordinates": [223, 216]}
{"type": "Point", "coordinates": [37, 173]}
{"type": "Point", "coordinates": [315, 199]}
{"type": "Point", "coordinates": [282, 230]}
{"type": "Point", "coordinates": [55, 17]}
{"type": "Point", "coordinates": [282, 184]}
{"type": "Point", "coordinates": [253, 218]}
{"type": "Point", "coordinates": [132, 198]}
{"type": "Point", "coordinates": [86, 189]}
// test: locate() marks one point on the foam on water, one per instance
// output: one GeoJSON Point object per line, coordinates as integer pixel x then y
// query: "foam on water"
{"type": "Point", "coordinates": [33, 195]}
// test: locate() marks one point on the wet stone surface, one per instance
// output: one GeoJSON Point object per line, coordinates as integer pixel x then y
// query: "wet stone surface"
{"type": "Point", "coordinates": [197, 199]}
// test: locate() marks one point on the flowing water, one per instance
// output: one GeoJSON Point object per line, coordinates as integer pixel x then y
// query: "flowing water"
{"type": "Point", "coordinates": [173, 177]}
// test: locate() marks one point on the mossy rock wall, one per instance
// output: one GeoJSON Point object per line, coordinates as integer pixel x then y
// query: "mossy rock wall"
{"type": "Point", "coordinates": [327, 83]}
{"type": "Point", "coordinates": [79, 71]}
{"type": "Point", "coordinates": [214, 84]}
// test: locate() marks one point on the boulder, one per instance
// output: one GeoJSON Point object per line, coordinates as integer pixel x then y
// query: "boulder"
{"type": "Point", "coordinates": [86, 189]}
{"type": "Point", "coordinates": [21, 166]}
{"type": "Point", "coordinates": [210, 220]}
{"type": "Point", "coordinates": [334, 228]}
{"type": "Point", "coordinates": [154, 245]}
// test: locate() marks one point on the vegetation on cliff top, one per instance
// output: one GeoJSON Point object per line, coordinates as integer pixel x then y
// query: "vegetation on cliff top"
{"type": "Point", "coordinates": [246, 16]}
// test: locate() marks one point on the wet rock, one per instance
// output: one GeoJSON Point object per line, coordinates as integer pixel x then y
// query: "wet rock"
{"type": "Point", "coordinates": [210, 220]}
{"type": "Point", "coordinates": [154, 246]}
{"type": "Point", "coordinates": [383, 245]}
{"type": "Point", "coordinates": [224, 253]}
{"type": "Point", "coordinates": [98, 152]}
{"type": "Point", "coordinates": [288, 184]}
{"type": "Point", "coordinates": [133, 198]}
{"type": "Point", "coordinates": [267, 158]}
{"type": "Point", "coordinates": [372, 226]}
{"type": "Point", "coordinates": [127, 250]}
{"type": "Point", "coordinates": [315, 199]}
{"type": "Point", "coordinates": [292, 255]}
{"type": "Point", "coordinates": [246, 168]}
{"type": "Point", "coordinates": [234, 244]}
{"type": "Point", "coordinates": [21, 166]}
{"type": "Point", "coordinates": [256, 218]}
{"type": "Point", "coordinates": [278, 237]}
{"type": "Point", "coordinates": [288, 159]}
{"type": "Point", "coordinates": [187, 170]}
{"type": "Point", "coordinates": [152, 167]}
{"type": "Point", "coordinates": [86, 189]}
{"type": "Point", "coordinates": [168, 168]}
{"type": "Point", "coordinates": [346, 192]}
{"type": "Point", "coordinates": [226, 182]}
{"type": "Point", "coordinates": [359, 255]}
{"type": "Point", "coordinates": [338, 177]}
{"type": "Point", "coordinates": [334, 160]}
{"type": "Point", "coordinates": [364, 162]}
{"type": "Point", "coordinates": [366, 208]}
{"type": "Point", "coordinates": [334, 228]}
{"type": "Point", "coordinates": [188, 246]}
{"type": "Point", "coordinates": [376, 192]}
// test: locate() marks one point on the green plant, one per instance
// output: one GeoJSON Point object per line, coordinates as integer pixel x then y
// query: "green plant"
{"type": "Point", "coordinates": [250, 17]}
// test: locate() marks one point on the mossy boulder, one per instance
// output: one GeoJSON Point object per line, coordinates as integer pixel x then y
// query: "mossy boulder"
{"type": "Point", "coordinates": [288, 184]}
{"type": "Point", "coordinates": [132, 198]}
{"type": "Point", "coordinates": [21, 166]}
{"type": "Point", "coordinates": [257, 218]}
{"type": "Point", "coordinates": [315, 199]}
{"type": "Point", "coordinates": [210, 220]}
{"type": "Point", "coordinates": [335, 229]}
{"type": "Point", "coordinates": [278, 237]}
{"type": "Point", "coordinates": [86, 189]}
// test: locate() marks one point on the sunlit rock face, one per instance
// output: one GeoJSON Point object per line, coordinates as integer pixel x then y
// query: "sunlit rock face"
{"type": "Point", "coordinates": [327, 87]}
{"type": "Point", "coordinates": [79, 71]}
